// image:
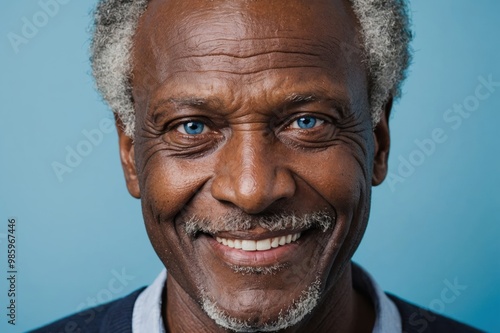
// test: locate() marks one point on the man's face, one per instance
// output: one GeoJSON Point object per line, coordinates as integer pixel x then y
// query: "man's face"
{"type": "Point", "coordinates": [251, 110]}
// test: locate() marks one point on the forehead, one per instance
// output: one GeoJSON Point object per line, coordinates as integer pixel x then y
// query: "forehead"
{"type": "Point", "coordinates": [247, 48]}
{"type": "Point", "coordinates": [247, 18]}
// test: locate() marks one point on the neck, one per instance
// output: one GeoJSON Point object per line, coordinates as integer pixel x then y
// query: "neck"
{"type": "Point", "coordinates": [340, 309]}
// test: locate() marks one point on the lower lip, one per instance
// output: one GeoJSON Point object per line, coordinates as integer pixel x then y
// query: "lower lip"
{"type": "Point", "coordinates": [273, 256]}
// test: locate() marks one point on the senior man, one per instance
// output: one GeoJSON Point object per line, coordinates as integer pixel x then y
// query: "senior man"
{"type": "Point", "coordinates": [253, 131]}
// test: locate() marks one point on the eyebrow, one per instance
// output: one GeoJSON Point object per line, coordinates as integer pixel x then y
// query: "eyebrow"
{"type": "Point", "coordinates": [295, 99]}
{"type": "Point", "coordinates": [300, 98]}
{"type": "Point", "coordinates": [211, 103]}
{"type": "Point", "coordinates": [192, 101]}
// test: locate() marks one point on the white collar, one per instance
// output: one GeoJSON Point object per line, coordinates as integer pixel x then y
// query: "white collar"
{"type": "Point", "coordinates": [146, 317]}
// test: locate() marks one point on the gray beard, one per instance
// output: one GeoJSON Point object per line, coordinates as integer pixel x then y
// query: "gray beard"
{"type": "Point", "coordinates": [240, 221]}
{"type": "Point", "coordinates": [287, 317]}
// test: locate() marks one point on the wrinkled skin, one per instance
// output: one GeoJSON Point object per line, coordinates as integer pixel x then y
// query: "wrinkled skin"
{"type": "Point", "coordinates": [248, 70]}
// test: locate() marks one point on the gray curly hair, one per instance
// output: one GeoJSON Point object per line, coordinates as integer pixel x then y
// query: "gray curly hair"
{"type": "Point", "coordinates": [385, 31]}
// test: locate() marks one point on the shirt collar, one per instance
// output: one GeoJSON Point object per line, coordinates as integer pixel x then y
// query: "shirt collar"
{"type": "Point", "coordinates": [146, 317]}
{"type": "Point", "coordinates": [387, 319]}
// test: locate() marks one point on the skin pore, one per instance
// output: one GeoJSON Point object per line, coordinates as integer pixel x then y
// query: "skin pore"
{"type": "Point", "coordinates": [249, 111]}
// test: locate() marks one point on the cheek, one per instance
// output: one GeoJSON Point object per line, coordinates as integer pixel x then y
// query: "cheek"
{"type": "Point", "coordinates": [167, 184]}
{"type": "Point", "coordinates": [337, 175]}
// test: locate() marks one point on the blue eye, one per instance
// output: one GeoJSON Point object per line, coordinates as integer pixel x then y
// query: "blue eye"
{"type": "Point", "coordinates": [192, 128]}
{"type": "Point", "coordinates": [306, 122]}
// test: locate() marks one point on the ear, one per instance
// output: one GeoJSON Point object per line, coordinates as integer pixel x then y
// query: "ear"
{"type": "Point", "coordinates": [127, 157]}
{"type": "Point", "coordinates": [382, 140]}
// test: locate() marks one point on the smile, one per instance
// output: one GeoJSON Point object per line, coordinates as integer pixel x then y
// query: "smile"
{"type": "Point", "coordinates": [258, 245]}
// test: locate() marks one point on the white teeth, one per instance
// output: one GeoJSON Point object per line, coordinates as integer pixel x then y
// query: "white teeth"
{"type": "Point", "coordinates": [248, 245]}
{"type": "Point", "coordinates": [260, 245]}
{"type": "Point", "coordinates": [264, 244]}
{"type": "Point", "coordinates": [275, 242]}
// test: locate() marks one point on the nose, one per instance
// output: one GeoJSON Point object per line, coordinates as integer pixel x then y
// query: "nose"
{"type": "Point", "coordinates": [249, 176]}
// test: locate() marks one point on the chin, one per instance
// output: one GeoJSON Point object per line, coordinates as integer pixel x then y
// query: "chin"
{"type": "Point", "coordinates": [262, 318]}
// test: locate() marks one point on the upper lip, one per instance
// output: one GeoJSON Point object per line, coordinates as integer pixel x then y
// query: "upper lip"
{"type": "Point", "coordinates": [255, 235]}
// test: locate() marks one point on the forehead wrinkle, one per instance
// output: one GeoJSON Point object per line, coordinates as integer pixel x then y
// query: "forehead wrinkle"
{"type": "Point", "coordinates": [240, 21]}
{"type": "Point", "coordinates": [189, 28]}
{"type": "Point", "coordinates": [183, 49]}
{"type": "Point", "coordinates": [246, 47]}
{"type": "Point", "coordinates": [251, 47]}
{"type": "Point", "coordinates": [247, 56]}
{"type": "Point", "coordinates": [262, 63]}
{"type": "Point", "coordinates": [249, 72]}
{"type": "Point", "coordinates": [257, 59]}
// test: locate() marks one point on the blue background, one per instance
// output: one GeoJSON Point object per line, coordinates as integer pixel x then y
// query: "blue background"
{"type": "Point", "coordinates": [73, 236]}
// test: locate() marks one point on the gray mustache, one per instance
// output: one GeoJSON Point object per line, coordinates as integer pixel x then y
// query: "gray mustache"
{"type": "Point", "coordinates": [236, 222]}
